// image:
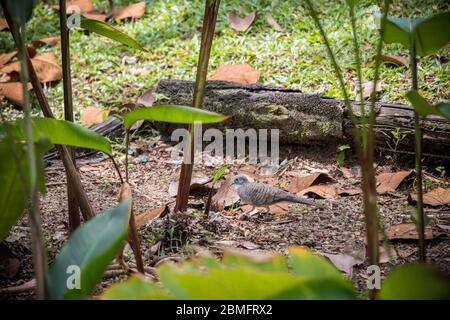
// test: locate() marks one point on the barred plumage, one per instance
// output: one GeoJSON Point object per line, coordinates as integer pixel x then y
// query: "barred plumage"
{"type": "Point", "coordinates": [260, 194]}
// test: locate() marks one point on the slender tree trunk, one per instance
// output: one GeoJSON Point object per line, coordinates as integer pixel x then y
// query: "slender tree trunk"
{"type": "Point", "coordinates": [209, 23]}
{"type": "Point", "coordinates": [73, 208]}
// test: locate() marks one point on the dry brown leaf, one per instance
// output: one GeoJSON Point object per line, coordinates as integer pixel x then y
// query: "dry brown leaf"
{"type": "Point", "coordinates": [198, 183]}
{"type": "Point", "coordinates": [84, 5]}
{"type": "Point", "coordinates": [13, 92]}
{"type": "Point", "coordinates": [273, 23]}
{"type": "Point", "coordinates": [9, 264]}
{"type": "Point", "coordinates": [45, 65]}
{"type": "Point", "coordinates": [407, 231]}
{"type": "Point", "coordinates": [346, 172]}
{"type": "Point", "coordinates": [436, 197]}
{"type": "Point", "coordinates": [393, 59]}
{"type": "Point", "coordinates": [5, 58]}
{"type": "Point", "coordinates": [135, 11]}
{"type": "Point", "coordinates": [3, 25]}
{"type": "Point", "coordinates": [92, 115]}
{"type": "Point", "coordinates": [406, 251]}
{"type": "Point", "coordinates": [323, 191]}
{"type": "Point", "coordinates": [225, 196]}
{"type": "Point", "coordinates": [240, 24]}
{"type": "Point", "coordinates": [343, 262]}
{"type": "Point", "coordinates": [239, 73]}
{"type": "Point", "coordinates": [50, 41]}
{"type": "Point", "coordinates": [144, 218]}
{"type": "Point", "coordinates": [147, 98]}
{"type": "Point", "coordinates": [367, 89]}
{"type": "Point", "coordinates": [299, 183]}
{"type": "Point", "coordinates": [94, 15]}
{"type": "Point", "coordinates": [389, 181]}
{"type": "Point", "coordinates": [277, 208]}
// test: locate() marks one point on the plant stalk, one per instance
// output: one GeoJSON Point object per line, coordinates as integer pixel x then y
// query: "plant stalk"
{"type": "Point", "coordinates": [72, 202]}
{"type": "Point", "coordinates": [39, 253]}
{"type": "Point", "coordinates": [209, 24]}
{"type": "Point", "coordinates": [418, 159]}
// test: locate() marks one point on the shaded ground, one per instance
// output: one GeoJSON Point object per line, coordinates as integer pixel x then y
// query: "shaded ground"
{"type": "Point", "coordinates": [338, 229]}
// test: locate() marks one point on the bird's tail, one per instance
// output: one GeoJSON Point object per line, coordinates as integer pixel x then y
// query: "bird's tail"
{"type": "Point", "coordinates": [297, 199]}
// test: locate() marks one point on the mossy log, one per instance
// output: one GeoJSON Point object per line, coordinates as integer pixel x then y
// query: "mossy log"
{"type": "Point", "coordinates": [307, 119]}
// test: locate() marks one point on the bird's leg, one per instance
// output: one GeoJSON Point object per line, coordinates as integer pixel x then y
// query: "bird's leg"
{"type": "Point", "coordinates": [249, 210]}
{"type": "Point", "coordinates": [266, 209]}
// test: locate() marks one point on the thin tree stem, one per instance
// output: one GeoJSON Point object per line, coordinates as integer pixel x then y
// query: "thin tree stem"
{"type": "Point", "coordinates": [39, 253]}
{"type": "Point", "coordinates": [209, 24]}
{"type": "Point", "coordinates": [72, 202]}
{"type": "Point", "coordinates": [418, 142]}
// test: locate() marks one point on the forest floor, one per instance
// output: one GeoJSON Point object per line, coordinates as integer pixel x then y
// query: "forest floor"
{"type": "Point", "coordinates": [339, 229]}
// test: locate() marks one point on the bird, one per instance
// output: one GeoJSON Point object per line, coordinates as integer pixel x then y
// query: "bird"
{"type": "Point", "coordinates": [263, 195]}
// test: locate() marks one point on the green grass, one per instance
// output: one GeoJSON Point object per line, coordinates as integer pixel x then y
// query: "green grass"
{"type": "Point", "coordinates": [106, 74]}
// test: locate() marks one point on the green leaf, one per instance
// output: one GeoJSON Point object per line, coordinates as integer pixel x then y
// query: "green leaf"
{"type": "Point", "coordinates": [172, 114]}
{"type": "Point", "coordinates": [218, 174]}
{"type": "Point", "coordinates": [110, 32]}
{"type": "Point", "coordinates": [429, 33]}
{"type": "Point", "coordinates": [136, 288]}
{"type": "Point", "coordinates": [444, 108]}
{"type": "Point", "coordinates": [269, 263]}
{"type": "Point", "coordinates": [90, 248]}
{"type": "Point", "coordinates": [64, 133]}
{"type": "Point", "coordinates": [424, 108]}
{"type": "Point", "coordinates": [415, 282]}
{"type": "Point", "coordinates": [20, 11]}
{"type": "Point", "coordinates": [14, 180]}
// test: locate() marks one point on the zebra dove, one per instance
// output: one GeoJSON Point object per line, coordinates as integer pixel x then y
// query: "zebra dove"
{"type": "Point", "coordinates": [263, 195]}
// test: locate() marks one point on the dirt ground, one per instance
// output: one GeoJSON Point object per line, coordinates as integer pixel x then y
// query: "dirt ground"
{"type": "Point", "coordinates": [339, 229]}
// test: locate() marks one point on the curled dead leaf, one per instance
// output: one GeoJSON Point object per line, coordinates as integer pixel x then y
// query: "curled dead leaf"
{"type": "Point", "coordinates": [92, 115]}
{"type": "Point", "coordinates": [6, 57]}
{"type": "Point", "coordinates": [436, 197]}
{"type": "Point", "coordinates": [239, 73]}
{"type": "Point", "coordinates": [134, 11]}
{"type": "Point", "coordinates": [94, 15]}
{"type": "Point", "coordinates": [83, 5]}
{"type": "Point", "coordinates": [389, 181]}
{"type": "Point", "coordinates": [50, 41]}
{"type": "Point", "coordinates": [198, 183]}
{"type": "Point", "coordinates": [394, 59]}
{"type": "Point", "coordinates": [407, 231]}
{"type": "Point", "coordinates": [45, 65]}
{"type": "Point", "coordinates": [12, 91]}
{"type": "Point", "coordinates": [343, 262]}
{"type": "Point", "coordinates": [321, 190]}
{"type": "Point", "coordinates": [299, 183]}
{"type": "Point", "coordinates": [144, 218]}
{"type": "Point", "coordinates": [240, 24]}
{"type": "Point", "coordinates": [367, 89]}
{"type": "Point", "coordinates": [225, 196]}
{"type": "Point", "coordinates": [349, 192]}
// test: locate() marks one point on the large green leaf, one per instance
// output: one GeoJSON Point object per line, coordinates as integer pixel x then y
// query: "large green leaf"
{"type": "Point", "coordinates": [172, 114]}
{"type": "Point", "coordinates": [430, 34]}
{"type": "Point", "coordinates": [65, 133]}
{"type": "Point", "coordinates": [20, 11]}
{"type": "Point", "coordinates": [110, 32]}
{"type": "Point", "coordinates": [415, 282]}
{"type": "Point", "coordinates": [91, 248]}
{"type": "Point", "coordinates": [136, 288]}
{"type": "Point", "coordinates": [238, 277]}
{"type": "Point", "coordinates": [424, 108]}
{"type": "Point", "coordinates": [14, 179]}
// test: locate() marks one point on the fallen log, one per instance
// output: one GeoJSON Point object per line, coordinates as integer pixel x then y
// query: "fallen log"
{"type": "Point", "coordinates": [307, 119]}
